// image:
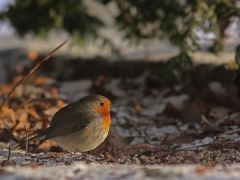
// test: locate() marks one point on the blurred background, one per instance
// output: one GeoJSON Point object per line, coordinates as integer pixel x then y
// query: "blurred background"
{"type": "Point", "coordinates": [189, 30]}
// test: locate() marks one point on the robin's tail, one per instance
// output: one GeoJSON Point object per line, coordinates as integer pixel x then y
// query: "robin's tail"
{"type": "Point", "coordinates": [42, 135]}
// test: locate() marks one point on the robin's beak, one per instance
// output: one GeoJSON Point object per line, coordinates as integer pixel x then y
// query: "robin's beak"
{"type": "Point", "coordinates": [113, 104]}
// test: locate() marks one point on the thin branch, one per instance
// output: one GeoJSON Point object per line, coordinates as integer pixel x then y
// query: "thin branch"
{"type": "Point", "coordinates": [9, 152]}
{"type": "Point", "coordinates": [109, 156]}
{"type": "Point", "coordinates": [26, 148]}
{"type": "Point", "coordinates": [30, 72]}
{"type": "Point", "coordinates": [204, 119]}
{"type": "Point", "coordinates": [232, 131]}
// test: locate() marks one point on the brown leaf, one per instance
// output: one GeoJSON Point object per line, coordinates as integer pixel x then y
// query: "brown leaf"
{"type": "Point", "coordinates": [32, 55]}
{"type": "Point", "coordinates": [191, 90]}
{"type": "Point", "coordinates": [232, 101]}
{"type": "Point", "coordinates": [4, 171]}
{"type": "Point", "coordinates": [137, 109]}
{"type": "Point", "coordinates": [4, 135]}
{"type": "Point", "coordinates": [219, 112]}
{"type": "Point", "coordinates": [103, 147]}
{"type": "Point", "coordinates": [112, 134]}
{"type": "Point", "coordinates": [183, 139]}
{"type": "Point", "coordinates": [4, 89]}
{"type": "Point", "coordinates": [140, 149]}
{"type": "Point", "coordinates": [60, 103]}
{"type": "Point", "coordinates": [7, 163]}
{"type": "Point", "coordinates": [168, 139]}
{"type": "Point", "coordinates": [55, 92]}
{"type": "Point", "coordinates": [45, 122]}
{"type": "Point", "coordinates": [121, 142]}
{"type": "Point", "coordinates": [143, 145]}
{"type": "Point", "coordinates": [199, 107]}
{"type": "Point", "coordinates": [22, 116]}
{"type": "Point", "coordinates": [33, 165]}
{"type": "Point", "coordinates": [235, 117]}
{"type": "Point", "coordinates": [45, 147]}
{"type": "Point", "coordinates": [33, 113]}
{"type": "Point", "coordinates": [7, 118]}
{"type": "Point", "coordinates": [159, 154]}
{"type": "Point", "coordinates": [201, 171]}
{"type": "Point", "coordinates": [112, 143]}
{"type": "Point", "coordinates": [211, 132]}
{"type": "Point", "coordinates": [190, 160]}
{"type": "Point", "coordinates": [43, 80]}
{"type": "Point", "coordinates": [128, 152]}
{"type": "Point", "coordinates": [51, 111]}
{"type": "Point", "coordinates": [109, 156]}
{"type": "Point", "coordinates": [170, 110]}
{"type": "Point", "coordinates": [194, 110]}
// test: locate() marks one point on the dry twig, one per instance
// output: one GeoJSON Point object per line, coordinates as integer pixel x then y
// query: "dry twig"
{"type": "Point", "coordinates": [204, 119]}
{"type": "Point", "coordinates": [26, 149]}
{"type": "Point", "coordinates": [109, 156]}
{"type": "Point", "coordinates": [30, 72]}
{"type": "Point", "coordinates": [232, 131]}
{"type": "Point", "coordinates": [9, 152]}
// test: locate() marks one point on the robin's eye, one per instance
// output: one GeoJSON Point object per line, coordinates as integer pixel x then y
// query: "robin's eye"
{"type": "Point", "coordinates": [101, 104]}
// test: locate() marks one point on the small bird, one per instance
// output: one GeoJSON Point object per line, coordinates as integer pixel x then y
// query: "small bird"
{"type": "Point", "coordinates": [80, 126]}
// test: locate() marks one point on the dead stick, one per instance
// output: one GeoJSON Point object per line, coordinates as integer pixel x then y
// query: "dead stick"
{"type": "Point", "coordinates": [109, 156]}
{"type": "Point", "coordinates": [26, 148]}
{"type": "Point", "coordinates": [232, 131]}
{"type": "Point", "coordinates": [30, 72]}
{"type": "Point", "coordinates": [204, 119]}
{"type": "Point", "coordinates": [9, 152]}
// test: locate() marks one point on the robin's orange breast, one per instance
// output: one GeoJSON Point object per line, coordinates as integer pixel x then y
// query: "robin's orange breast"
{"type": "Point", "coordinates": [105, 112]}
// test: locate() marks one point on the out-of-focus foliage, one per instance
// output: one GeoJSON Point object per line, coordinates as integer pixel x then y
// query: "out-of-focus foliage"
{"type": "Point", "coordinates": [175, 20]}
{"type": "Point", "coordinates": [237, 55]}
{"type": "Point", "coordinates": [39, 17]}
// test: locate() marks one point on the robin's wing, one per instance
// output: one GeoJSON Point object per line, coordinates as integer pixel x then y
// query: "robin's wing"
{"type": "Point", "coordinates": [62, 125]}
{"type": "Point", "coordinates": [74, 122]}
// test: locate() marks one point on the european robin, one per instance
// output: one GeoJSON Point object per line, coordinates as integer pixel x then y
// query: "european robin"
{"type": "Point", "coordinates": [80, 126]}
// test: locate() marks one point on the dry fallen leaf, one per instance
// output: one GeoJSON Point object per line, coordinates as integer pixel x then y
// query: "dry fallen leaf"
{"type": "Point", "coordinates": [184, 139]}
{"type": "Point", "coordinates": [202, 170]}
{"type": "Point", "coordinates": [219, 112]}
{"type": "Point", "coordinates": [170, 110]}
{"type": "Point", "coordinates": [43, 81]}
{"type": "Point", "coordinates": [168, 139]}
{"type": "Point", "coordinates": [46, 145]}
{"type": "Point", "coordinates": [159, 154]}
{"type": "Point", "coordinates": [33, 113]}
{"type": "Point", "coordinates": [55, 92]}
{"type": "Point", "coordinates": [4, 135]}
{"type": "Point", "coordinates": [51, 111]}
{"type": "Point", "coordinates": [32, 55]}
{"type": "Point", "coordinates": [22, 116]}
{"type": "Point", "coordinates": [4, 89]}
{"type": "Point", "coordinates": [34, 165]}
{"type": "Point", "coordinates": [190, 160]}
{"type": "Point", "coordinates": [7, 118]}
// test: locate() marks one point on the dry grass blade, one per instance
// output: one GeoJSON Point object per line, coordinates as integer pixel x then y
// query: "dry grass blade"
{"type": "Point", "coordinates": [109, 156]}
{"type": "Point", "coordinates": [204, 119]}
{"type": "Point", "coordinates": [26, 150]}
{"type": "Point", "coordinates": [232, 131]}
{"type": "Point", "coordinates": [9, 152]}
{"type": "Point", "coordinates": [30, 72]}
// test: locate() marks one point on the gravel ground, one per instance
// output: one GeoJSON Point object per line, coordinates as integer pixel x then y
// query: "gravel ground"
{"type": "Point", "coordinates": [61, 167]}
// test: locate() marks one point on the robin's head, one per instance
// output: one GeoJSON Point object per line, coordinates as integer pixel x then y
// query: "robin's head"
{"type": "Point", "coordinates": [98, 104]}
{"type": "Point", "coordinates": [101, 105]}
